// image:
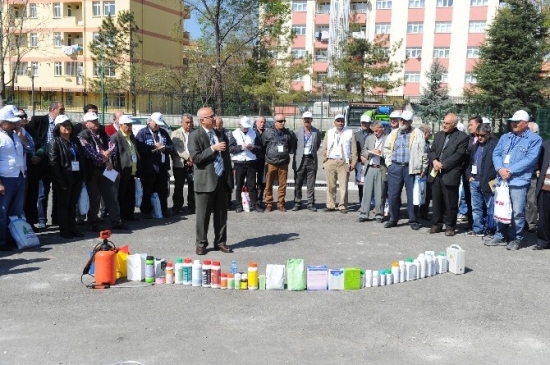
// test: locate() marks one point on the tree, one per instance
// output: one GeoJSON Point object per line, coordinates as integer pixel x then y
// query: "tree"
{"type": "Point", "coordinates": [434, 100]}
{"type": "Point", "coordinates": [510, 73]}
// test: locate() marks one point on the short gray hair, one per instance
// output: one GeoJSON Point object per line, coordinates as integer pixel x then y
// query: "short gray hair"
{"type": "Point", "coordinates": [484, 128]}
{"type": "Point", "coordinates": [425, 128]}
{"type": "Point", "coordinates": [376, 123]}
{"type": "Point", "coordinates": [187, 115]}
{"type": "Point", "coordinates": [534, 127]}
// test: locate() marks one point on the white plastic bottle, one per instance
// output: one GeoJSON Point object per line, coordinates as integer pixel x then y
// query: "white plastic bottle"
{"type": "Point", "coordinates": [368, 278]}
{"type": "Point", "coordinates": [442, 261]}
{"type": "Point", "coordinates": [434, 260]}
{"type": "Point", "coordinates": [417, 264]}
{"type": "Point", "coordinates": [238, 281]}
{"type": "Point", "coordinates": [402, 272]}
{"type": "Point", "coordinates": [178, 272]}
{"type": "Point", "coordinates": [375, 278]}
{"type": "Point", "coordinates": [395, 272]}
{"type": "Point", "coordinates": [408, 269]}
{"type": "Point", "coordinates": [382, 274]}
{"type": "Point", "coordinates": [429, 264]}
{"type": "Point", "coordinates": [206, 273]}
{"type": "Point", "coordinates": [215, 275]}
{"type": "Point", "coordinates": [197, 273]}
{"type": "Point", "coordinates": [389, 277]}
{"type": "Point", "coordinates": [422, 259]}
{"type": "Point", "coordinates": [187, 271]}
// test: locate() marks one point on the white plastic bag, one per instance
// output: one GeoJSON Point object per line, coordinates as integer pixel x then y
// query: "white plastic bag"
{"type": "Point", "coordinates": [245, 200]}
{"type": "Point", "coordinates": [155, 202]}
{"type": "Point", "coordinates": [503, 204]}
{"type": "Point", "coordinates": [83, 201]}
{"type": "Point", "coordinates": [275, 277]}
{"type": "Point", "coordinates": [135, 265]}
{"type": "Point", "coordinates": [139, 192]}
{"type": "Point", "coordinates": [22, 233]}
{"type": "Point", "coordinates": [419, 190]}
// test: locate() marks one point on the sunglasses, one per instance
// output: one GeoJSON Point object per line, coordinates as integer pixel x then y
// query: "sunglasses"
{"type": "Point", "coordinates": [280, 121]}
{"type": "Point", "coordinates": [481, 135]}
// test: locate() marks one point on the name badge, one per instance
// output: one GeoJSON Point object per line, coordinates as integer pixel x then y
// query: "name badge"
{"type": "Point", "coordinates": [134, 158]}
{"type": "Point", "coordinates": [474, 169]}
{"type": "Point", "coordinates": [75, 165]}
{"type": "Point", "coordinates": [162, 157]}
{"type": "Point", "coordinates": [280, 148]}
{"type": "Point", "coordinates": [507, 159]}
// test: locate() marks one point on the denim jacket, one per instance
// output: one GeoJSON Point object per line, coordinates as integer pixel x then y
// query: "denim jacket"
{"type": "Point", "coordinates": [524, 154]}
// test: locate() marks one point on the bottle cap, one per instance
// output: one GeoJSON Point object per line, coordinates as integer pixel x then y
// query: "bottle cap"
{"type": "Point", "coordinates": [179, 261]}
{"type": "Point", "coordinates": [224, 275]}
{"type": "Point", "coordinates": [188, 260]}
{"type": "Point", "coordinates": [388, 271]}
{"type": "Point", "coordinates": [395, 264]}
{"type": "Point", "coordinates": [253, 264]}
{"type": "Point", "coordinates": [382, 272]}
{"type": "Point", "coordinates": [206, 262]}
{"type": "Point", "coordinates": [216, 263]}
{"type": "Point", "coordinates": [442, 253]}
{"type": "Point", "coordinates": [150, 258]}
{"type": "Point", "coordinates": [362, 272]}
{"type": "Point", "coordinates": [230, 276]}
{"type": "Point", "coordinates": [409, 259]}
{"type": "Point", "coordinates": [169, 266]}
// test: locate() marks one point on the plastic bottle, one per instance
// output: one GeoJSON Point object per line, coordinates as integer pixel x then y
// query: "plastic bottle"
{"type": "Point", "coordinates": [160, 271]}
{"type": "Point", "coordinates": [178, 272]}
{"type": "Point", "coordinates": [238, 281]}
{"type": "Point", "coordinates": [206, 273]}
{"type": "Point", "coordinates": [150, 269]}
{"type": "Point", "coordinates": [429, 264]}
{"type": "Point", "coordinates": [375, 278]}
{"type": "Point", "coordinates": [442, 260]}
{"type": "Point", "coordinates": [234, 267]}
{"type": "Point", "coordinates": [434, 258]}
{"type": "Point", "coordinates": [402, 272]}
{"type": "Point", "coordinates": [223, 281]}
{"type": "Point", "coordinates": [368, 278]}
{"type": "Point", "coordinates": [169, 273]}
{"type": "Point", "coordinates": [362, 279]}
{"type": "Point", "coordinates": [422, 260]}
{"type": "Point", "coordinates": [230, 281]}
{"type": "Point", "coordinates": [216, 275]}
{"type": "Point", "coordinates": [395, 272]}
{"type": "Point", "coordinates": [408, 265]}
{"type": "Point", "coordinates": [252, 276]}
{"type": "Point", "coordinates": [389, 277]}
{"type": "Point", "coordinates": [197, 273]}
{"type": "Point", "coordinates": [244, 281]}
{"type": "Point", "coordinates": [187, 271]}
{"type": "Point", "coordinates": [382, 274]}
{"type": "Point", "coordinates": [417, 269]}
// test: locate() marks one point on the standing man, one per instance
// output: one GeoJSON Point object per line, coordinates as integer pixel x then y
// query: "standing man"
{"type": "Point", "coordinates": [183, 166]}
{"type": "Point", "coordinates": [543, 197]}
{"type": "Point", "coordinates": [375, 174]}
{"type": "Point", "coordinates": [79, 127]}
{"type": "Point", "coordinates": [277, 142]}
{"type": "Point", "coordinates": [515, 158]}
{"type": "Point", "coordinates": [218, 125]}
{"type": "Point", "coordinates": [243, 146]}
{"type": "Point", "coordinates": [446, 156]}
{"type": "Point", "coordinates": [208, 150]}
{"type": "Point", "coordinates": [260, 163]}
{"type": "Point", "coordinates": [360, 138]}
{"type": "Point", "coordinates": [424, 209]}
{"type": "Point", "coordinates": [154, 147]}
{"type": "Point", "coordinates": [304, 164]}
{"type": "Point", "coordinates": [114, 127]}
{"type": "Point", "coordinates": [405, 158]}
{"type": "Point", "coordinates": [39, 178]}
{"type": "Point", "coordinates": [339, 158]}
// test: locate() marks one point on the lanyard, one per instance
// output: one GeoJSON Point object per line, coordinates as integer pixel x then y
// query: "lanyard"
{"type": "Point", "coordinates": [515, 140]}
{"type": "Point", "coordinates": [479, 153]}
{"type": "Point", "coordinates": [306, 137]}
{"type": "Point", "coordinates": [280, 137]}
{"type": "Point", "coordinates": [72, 149]}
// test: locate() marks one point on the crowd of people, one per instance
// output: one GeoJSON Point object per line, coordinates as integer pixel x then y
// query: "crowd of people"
{"type": "Point", "coordinates": [460, 170]}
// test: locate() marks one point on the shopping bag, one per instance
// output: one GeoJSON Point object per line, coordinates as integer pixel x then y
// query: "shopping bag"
{"type": "Point", "coordinates": [245, 200]}
{"type": "Point", "coordinates": [419, 190]}
{"type": "Point", "coordinates": [503, 204]}
{"type": "Point", "coordinates": [83, 201]}
{"type": "Point", "coordinates": [490, 224]}
{"type": "Point", "coordinates": [275, 277]}
{"type": "Point", "coordinates": [139, 192]}
{"type": "Point", "coordinates": [22, 233]}
{"type": "Point", "coordinates": [295, 274]}
{"type": "Point", "coordinates": [157, 209]}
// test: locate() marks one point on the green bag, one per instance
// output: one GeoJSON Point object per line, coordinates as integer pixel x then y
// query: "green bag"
{"type": "Point", "coordinates": [295, 274]}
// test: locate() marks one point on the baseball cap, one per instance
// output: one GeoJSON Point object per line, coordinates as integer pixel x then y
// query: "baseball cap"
{"type": "Point", "coordinates": [339, 116]}
{"type": "Point", "coordinates": [395, 114]}
{"type": "Point", "coordinates": [124, 119]}
{"type": "Point", "coordinates": [519, 116]}
{"type": "Point", "coordinates": [9, 114]}
{"type": "Point", "coordinates": [307, 115]}
{"type": "Point", "coordinates": [90, 116]}
{"type": "Point", "coordinates": [407, 115]}
{"type": "Point", "coordinates": [60, 119]}
{"type": "Point", "coordinates": [158, 118]}
{"type": "Point", "coordinates": [245, 122]}
{"type": "Point", "coordinates": [365, 118]}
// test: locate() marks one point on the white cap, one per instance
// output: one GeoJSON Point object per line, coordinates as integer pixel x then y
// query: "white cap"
{"type": "Point", "coordinates": [395, 114]}
{"type": "Point", "coordinates": [339, 116]}
{"type": "Point", "coordinates": [9, 114]}
{"type": "Point", "coordinates": [158, 118]}
{"type": "Point", "coordinates": [460, 127]}
{"type": "Point", "coordinates": [125, 119]}
{"type": "Point", "coordinates": [90, 116]}
{"type": "Point", "coordinates": [407, 115]}
{"type": "Point", "coordinates": [60, 119]}
{"type": "Point", "coordinates": [307, 115]}
{"type": "Point", "coordinates": [519, 116]}
{"type": "Point", "coordinates": [365, 118]}
{"type": "Point", "coordinates": [245, 122]}
{"type": "Point", "coordinates": [485, 120]}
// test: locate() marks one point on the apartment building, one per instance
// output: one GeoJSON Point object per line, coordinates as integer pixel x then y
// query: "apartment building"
{"type": "Point", "coordinates": [448, 30]}
{"type": "Point", "coordinates": [55, 40]}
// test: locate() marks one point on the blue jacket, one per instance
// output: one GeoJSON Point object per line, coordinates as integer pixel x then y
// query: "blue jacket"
{"type": "Point", "coordinates": [524, 154]}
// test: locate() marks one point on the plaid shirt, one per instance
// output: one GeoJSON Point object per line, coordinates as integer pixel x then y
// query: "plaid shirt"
{"type": "Point", "coordinates": [401, 152]}
{"type": "Point", "coordinates": [95, 154]}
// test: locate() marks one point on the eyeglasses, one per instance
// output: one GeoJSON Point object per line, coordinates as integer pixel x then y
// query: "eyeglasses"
{"type": "Point", "coordinates": [210, 117]}
{"type": "Point", "coordinates": [280, 121]}
{"type": "Point", "coordinates": [481, 135]}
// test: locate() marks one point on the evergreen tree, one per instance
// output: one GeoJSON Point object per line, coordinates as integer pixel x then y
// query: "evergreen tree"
{"type": "Point", "coordinates": [434, 100]}
{"type": "Point", "coordinates": [510, 73]}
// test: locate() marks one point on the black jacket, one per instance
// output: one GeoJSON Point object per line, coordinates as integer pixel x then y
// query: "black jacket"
{"type": "Point", "coordinates": [452, 157]}
{"type": "Point", "coordinates": [486, 172]}
{"type": "Point", "coordinates": [60, 159]}
{"type": "Point", "coordinates": [38, 127]}
{"type": "Point", "coordinates": [123, 158]}
{"type": "Point", "coordinates": [543, 164]}
{"type": "Point", "coordinates": [151, 158]}
{"type": "Point", "coordinates": [271, 140]}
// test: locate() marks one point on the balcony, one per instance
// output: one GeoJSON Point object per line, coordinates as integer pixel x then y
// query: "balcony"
{"type": "Point", "coordinates": [186, 12]}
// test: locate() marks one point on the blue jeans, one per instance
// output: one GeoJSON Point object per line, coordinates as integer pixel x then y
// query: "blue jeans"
{"type": "Point", "coordinates": [43, 193]}
{"type": "Point", "coordinates": [514, 231]}
{"type": "Point", "coordinates": [462, 205]}
{"type": "Point", "coordinates": [11, 203]}
{"type": "Point", "coordinates": [480, 204]}
{"type": "Point", "coordinates": [397, 177]}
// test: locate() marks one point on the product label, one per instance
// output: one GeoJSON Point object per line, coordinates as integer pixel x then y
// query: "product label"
{"type": "Point", "coordinates": [215, 277]}
{"type": "Point", "coordinates": [206, 277]}
{"type": "Point", "coordinates": [186, 274]}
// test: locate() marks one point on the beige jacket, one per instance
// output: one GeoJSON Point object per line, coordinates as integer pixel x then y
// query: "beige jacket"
{"type": "Point", "coordinates": [418, 159]}
{"type": "Point", "coordinates": [180, 154]}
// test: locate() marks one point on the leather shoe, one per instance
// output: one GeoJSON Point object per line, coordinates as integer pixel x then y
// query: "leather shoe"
{"type": "Point", "coordinates": [312, 208]}
{"type": "Point", "coordinates": [223, 248]}
{"type": "Point", "coordinates": [120, 225]}
{"type": "Point", "coordinates": [200, 251]}
{"type": "Point", "coordinates": [362, 219]}
{"type": "Point", "coordinates": [538, 248]}
{"type": "Point", "coordinates": [449, 231]}
{"type": "Point", "coordinates": [435, 229]}
{"type": "Point", "coordinates": [282, 209]}
{"type": "Point", "coordinates": [167, 213]}
{"type": "Point", "coordinates": [239, 209]}
{"type": "Point", "coordinates": [379, 220]}
{"type": "Point", "coordinates": [296, 207]}
{"type": "Point", "coordinates": [329, 210]}
{"type": "Point", "coordinates": [344, 211]}
{"type": "Point", "coordinates": [390, 224]}
{"type": "Point", "coordinates": [268, 208]}
{"type": "Point", "coordinates": [415, 226]}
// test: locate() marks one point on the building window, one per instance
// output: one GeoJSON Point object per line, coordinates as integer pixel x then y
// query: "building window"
{"type": "Point", "coordinates": [321, 76]}
{"type": "Point", "coordinates": [359, 7]}
{"type": "Point", "coordinates": [443, 27]}
{"type": "Point", "coordinates": [479, 2]}
{"type": "Point", "coordinates": [381, 78]}
{"type": "Point", "coordinates": [441, 52]}
{"type": "Point", "coordinates": [477, 27]}
{"type": "Point", "coordinates": [34, 67]}
{"type": "Point", "coordinates": [444, 3]}
{"type": "Point", "coordinates": [383, 4]}
{"type": "Point", "coordinates": [20, 68]}
{"type": "Point", "coordinates": [32, 11]}
{"type": "Point", "coordinates": [444, 78]}
{"type": "Point", "coordinates": [382, 28]}
{"type": "Point", "coordinates": [412, 76]}
{"type": "Point", "coordinates": [109, 8]}
{"type": "Point", "coordinates": [298, 78]}
{"type": "Point", "coordinates": [108, 67]}
{"type": "Point", "coordinates": [71, 68]}
{"type": "Point", "coordinates": [34, 39]}
{"type": "Point", "coordinates": [57, 41]}
{"type": "Point", "coordinates": [300, 6]}
{"type": "Point", "coordinates": [472, 52]}
{"type": "Point", "coordinates": [415, 27]}
{"type": "Point", "coordinates": [323, 8]}
{"type": "Point", "coordinates": [96, 6]}
{"type": "Point", "coordinates": [57, 10]}
{"type": "Point", "coordinates": [470, 79]}
{"type": "Point", "coordinates": [298, 53]}
{"type": "Point", "coordinates": [414, 52]}
{"type": "Point", "coordinates": [416, 3]}
{"type": "Point", "coordinates": [299, 29]}
{"type": "Point", "coordinates": [321, 54]}
{"type": "Point", "coordinates": [322, 28]}
{"type": "Point", "coordinates": [57, 69]}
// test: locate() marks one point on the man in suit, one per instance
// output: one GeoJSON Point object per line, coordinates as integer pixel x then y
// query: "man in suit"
{"type": "Point", "coordinates": [360, 138]}
{"type": "Point", "coordinates": [213, 181]}
{"type": "Point", "coordinates": [543, 198]}
{"type": "Point", "coordinates": [183, 166]}
{"type": "Point", "coordinates": [304, 164]}
{"type": "Point", "coordinates": [446, 157]}
{"type": "Point", "coordinates": [375, 174]}
{"type": "Point", "coordinates": [260, 163]}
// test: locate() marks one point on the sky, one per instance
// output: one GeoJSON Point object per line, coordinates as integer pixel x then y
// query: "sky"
{"type": "Point", "coordinates": [192, 26]}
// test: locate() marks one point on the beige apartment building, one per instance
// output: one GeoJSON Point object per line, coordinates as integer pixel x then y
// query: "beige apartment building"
{"type": "Point", "coordinates": [56, 57]}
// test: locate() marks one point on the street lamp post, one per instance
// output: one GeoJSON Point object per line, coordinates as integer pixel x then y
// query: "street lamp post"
{"type": "Point", "coordinates": [30, 73]}
{"type": "Point", "coordinates": [102, 84]}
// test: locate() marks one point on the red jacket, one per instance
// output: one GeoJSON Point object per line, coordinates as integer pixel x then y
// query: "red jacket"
{"type": "Point", "coordinates": [110, 130]}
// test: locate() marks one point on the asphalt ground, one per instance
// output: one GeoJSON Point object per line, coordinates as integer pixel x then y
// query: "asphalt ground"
{"type": "Point", "coordinates": [497, 312]}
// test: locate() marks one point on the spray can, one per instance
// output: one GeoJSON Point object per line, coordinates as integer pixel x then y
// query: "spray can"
{"type": "Point", "coordinates": [442, 260]}
{"type": "Point", "coordinates": [253, 276]}
{"type": "Point", "coordinates": [230, 281]}
{"type": "Point", "coordinates": [149, 269]}
{"type": "Point", "coordinates": [375, 278]}
{"type": "Point", "coordinates": [244, 281]}
{"type": "Point", "coordinates": [216, 272]}
{"type": "Point", "coordinates": [389, 277]}
{"type": "Point", "coordinates": [197, 273]}
{"type": "Point", "coordinates": [206, 273]}
{"type": "Point", "coordinates": [178, 271]}
{"type": "Point", "coordinates": [402, 272]}
{"type": "Point", "coordinates": [169, 273]}
{"type": "Point", "coordinates": [237, 281]}
{"type": "Point", "coordinates": [395, 272]}
{"type": "Point", "coordinates": [223, 281]}
{"type": "Point", "coordinates": [187, 271]}
{"type": "Point", "coordinates": [234, 267]}
{"type": "Point", "coordinates": [368, 278]}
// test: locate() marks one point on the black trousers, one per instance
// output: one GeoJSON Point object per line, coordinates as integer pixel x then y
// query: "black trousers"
{"type": "Point", "coordinates": [260, 181]}
{"type": "Point", "coordinates": [208, 203]}
{"type": "Point", "coordinates": [66, 200]}
{"type": "Point", "coordinates": [127, 197]}
{"type": "Point", "coordinates": [445, 202]}
{"type": "Point", "coordinates": [36, 173]}
{"type": "Point", "coordinates": [182, 175]}
{"type": "Point", "coordinates": [468, 198]}
{"type": "Point", "coordinates": [306, 171]}
{"type": "Point", "coordinates": [543, 228]}
{"type": "Point", "coordinates": [154, 183]}
{"type": "Point", "coordinates": [245, 170]}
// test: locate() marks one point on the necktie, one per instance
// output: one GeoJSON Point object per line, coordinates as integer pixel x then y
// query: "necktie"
{"type": "Point", "coordinates": [218, 162]}
{"type": "Point", "coordinates": [444, 145]}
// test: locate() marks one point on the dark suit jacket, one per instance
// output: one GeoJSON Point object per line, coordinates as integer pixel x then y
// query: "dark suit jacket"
{"type": "Point", "coordinates": [299, 147]}
{"type": "Point", "coordinates": [203, 161]}
{"type": "Point", "coordinates": [487, 171]}
{"type": "Point", "coordinates": [38, 127]}
{"type": "Point", "coordinates": [544, 160]}
{"type": "Point", "coordinates": [452, 158]}
{"type": "Point", "coordinates": [123, 158]}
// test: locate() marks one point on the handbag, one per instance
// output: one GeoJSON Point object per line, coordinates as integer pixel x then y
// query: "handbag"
{"type": "Point", "coordinates": [22, 233]}
{"type": "Point", "coordinates": [419, 190]}
{"type": "Point", "coordinates": [503, 204]}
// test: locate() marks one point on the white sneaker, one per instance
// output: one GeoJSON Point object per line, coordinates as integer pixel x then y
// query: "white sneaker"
{"type": "Point", "coordinates": [41, 225]}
